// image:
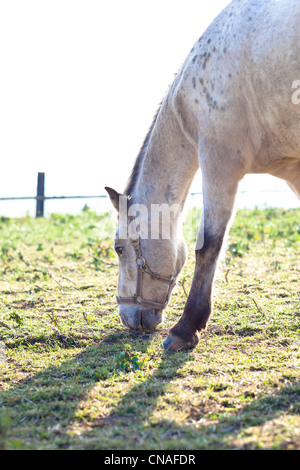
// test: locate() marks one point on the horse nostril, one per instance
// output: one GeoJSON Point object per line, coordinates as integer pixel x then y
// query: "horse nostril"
{"type": "Point", "coordinates": [140, 319]}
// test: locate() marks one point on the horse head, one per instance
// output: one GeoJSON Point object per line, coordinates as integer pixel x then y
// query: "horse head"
{"type": "Point", "coordinates": [148, 264]}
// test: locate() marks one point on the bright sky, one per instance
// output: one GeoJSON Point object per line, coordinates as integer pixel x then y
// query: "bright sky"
{"type": "Point", "coordinates": [80, 83]}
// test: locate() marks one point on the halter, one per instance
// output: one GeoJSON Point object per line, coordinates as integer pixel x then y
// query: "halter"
{"type": "Point", "coordinates": [142, 267]}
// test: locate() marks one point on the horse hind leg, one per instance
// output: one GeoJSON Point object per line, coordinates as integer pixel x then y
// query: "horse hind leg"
{"type": "Point", "coordinates": [219, 191]}
{"type": "Point", "coordinates": [291, 174]}
{"type": "Point", "coordinates": [293, 180]}
{"type": "Point", "coordinates": [295, 189]}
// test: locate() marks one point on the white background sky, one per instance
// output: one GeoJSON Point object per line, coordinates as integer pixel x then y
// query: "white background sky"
{"type": "Point", "coordinates": [80, 83]}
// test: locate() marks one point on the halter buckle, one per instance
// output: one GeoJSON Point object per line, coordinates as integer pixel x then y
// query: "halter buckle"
{"type": "Point", "coordinates": [137, 299]}
{"type": "Point", "coordinates": [140, 261]}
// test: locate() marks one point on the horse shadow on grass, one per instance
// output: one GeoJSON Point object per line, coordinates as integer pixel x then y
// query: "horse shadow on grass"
{"type": "Point", "coordinates": [45, 409]}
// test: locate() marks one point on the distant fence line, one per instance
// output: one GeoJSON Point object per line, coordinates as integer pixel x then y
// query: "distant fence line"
{"type": "Point", "coordinates": [40, 197]}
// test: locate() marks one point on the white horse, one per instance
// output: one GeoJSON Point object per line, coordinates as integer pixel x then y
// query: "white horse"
{"type": "Point", "coordinates": [233, 109]}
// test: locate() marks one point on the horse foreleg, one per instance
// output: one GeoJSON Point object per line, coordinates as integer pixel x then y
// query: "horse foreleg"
{"type": "Point", "coordinates": [218, 202]}
{"type": "Point", "coordinates": [293, 180]}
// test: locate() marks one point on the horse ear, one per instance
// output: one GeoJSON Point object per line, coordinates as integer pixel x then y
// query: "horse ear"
{"type": "Point", "coordinates": [114, 197]}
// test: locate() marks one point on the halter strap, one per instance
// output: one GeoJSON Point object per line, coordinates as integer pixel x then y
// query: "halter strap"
{"type": "Point", "coordinates": [142, 267]}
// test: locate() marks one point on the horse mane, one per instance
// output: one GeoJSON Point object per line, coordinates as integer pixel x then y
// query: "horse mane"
{"type": "Point", "coordinates": [140, 158]}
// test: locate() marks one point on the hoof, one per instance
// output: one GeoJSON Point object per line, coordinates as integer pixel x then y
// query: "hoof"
{"type": "Point", "coordinates": [174, 343]}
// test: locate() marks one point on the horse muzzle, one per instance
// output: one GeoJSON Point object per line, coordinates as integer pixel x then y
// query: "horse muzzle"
{"type": "Point", "coordinates": [139, 319]}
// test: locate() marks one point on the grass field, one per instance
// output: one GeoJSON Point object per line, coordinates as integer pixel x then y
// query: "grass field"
{"type": "Point", "coordinates": [71, 376]}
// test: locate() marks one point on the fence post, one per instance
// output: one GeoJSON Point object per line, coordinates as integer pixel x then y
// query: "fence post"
{"type": "Point", "coordinates": [40, 195]}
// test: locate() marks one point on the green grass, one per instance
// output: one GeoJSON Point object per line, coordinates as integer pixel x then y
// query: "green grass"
{"type": "Point", "coordinates": [71, 376]}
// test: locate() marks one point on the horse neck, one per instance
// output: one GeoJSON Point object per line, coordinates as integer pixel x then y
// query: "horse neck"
{"type": "Point", "coordinates": [168, 165]}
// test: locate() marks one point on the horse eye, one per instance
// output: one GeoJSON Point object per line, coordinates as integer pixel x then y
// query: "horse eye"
{"type": "Point", "coordinates": [119, 250]}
